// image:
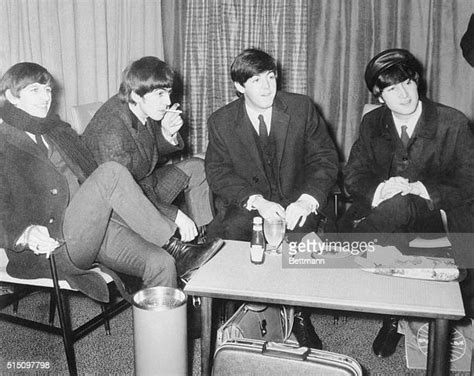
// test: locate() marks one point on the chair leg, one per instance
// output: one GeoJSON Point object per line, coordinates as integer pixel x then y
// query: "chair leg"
{"type": "Point", "coordinates": [52, 308]}
{"type": "Point", "coordinates": [66, 330]}
{"type": "Point", "coordinates": [15, 303]}
{"type": "Point", "coordinates": [15, 307]}
{"type": "Point", "coordinates": [19, 292]}
{"type": "Point", "coordinates": [103, 307]}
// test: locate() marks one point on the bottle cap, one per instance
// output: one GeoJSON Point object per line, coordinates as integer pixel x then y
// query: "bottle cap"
{"type": "Point", "coordinates": [257, 220]}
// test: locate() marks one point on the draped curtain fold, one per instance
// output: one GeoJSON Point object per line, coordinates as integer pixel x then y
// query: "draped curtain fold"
{"type": "Point", "coordinates": [323, 47]}
{"type": "Point", "coordinates": [85, 44]}
{"type": "Point", "coordinates": [216, 31]}
{"type": "Point", "coordinates": [344, 35]}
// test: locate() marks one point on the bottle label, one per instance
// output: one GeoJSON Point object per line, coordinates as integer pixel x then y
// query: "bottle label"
{"type": "Point", "coordinates": [256, 253]}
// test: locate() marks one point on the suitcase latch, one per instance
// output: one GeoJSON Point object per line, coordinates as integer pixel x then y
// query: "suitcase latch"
{"type": "Point", "coordinates": [263, 327]}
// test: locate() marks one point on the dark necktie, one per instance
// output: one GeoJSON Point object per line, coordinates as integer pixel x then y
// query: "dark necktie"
{"type": "Point", "coordinates": [262, 130]}
{"type": "Point", "coordinates": [149, 127]}
{"type": "Point", "coordinates": [41, 144]}
{"type": "Point", "coordinates": [404, 136]}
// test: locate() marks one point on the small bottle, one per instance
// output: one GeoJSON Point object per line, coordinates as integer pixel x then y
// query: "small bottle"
{"type": "Point", "coordinates": [257, 244]}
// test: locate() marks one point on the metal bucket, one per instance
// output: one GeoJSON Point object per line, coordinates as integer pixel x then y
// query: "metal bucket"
{"type": "Point", "coordinates": [160, 331]}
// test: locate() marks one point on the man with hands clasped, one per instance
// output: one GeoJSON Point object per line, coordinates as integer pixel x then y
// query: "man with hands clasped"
{"type": "Point", "coordinates": [269, 155]}
{"type": "Point", "coordinates": [139, 127]}
{"type": "Point", "coordinates": [413, 158]}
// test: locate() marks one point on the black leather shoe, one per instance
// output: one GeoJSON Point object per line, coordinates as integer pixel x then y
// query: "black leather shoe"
{"type": "Point", "coordinates": [304, 331]}
{"type": "Point", "coordinates": [190, 257]}
{"type": "Point", "coordinates": [387, 339]}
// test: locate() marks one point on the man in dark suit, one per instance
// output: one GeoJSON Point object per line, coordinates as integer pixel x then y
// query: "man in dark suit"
{"type": "Point", "coordinates": [413, 157]}
{"type": "Point", "coordinates": [269, 155]}
{"type": "Point", "coordinates": [54, 197]}
{"type": "Point", "coordinates": [138, 128]}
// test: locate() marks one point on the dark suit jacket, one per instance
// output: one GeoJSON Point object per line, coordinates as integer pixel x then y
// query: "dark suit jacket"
{"type": "Point", "coordinates": [467, 42]}
{"type": "Point", "coordinates": [441, 151]}
{"type": "Point", "coordinates": [111, 137]}
{"type": "Point", "coordinates": [306, 159]}
{"type": "Point", "coordinates": [32, 191]}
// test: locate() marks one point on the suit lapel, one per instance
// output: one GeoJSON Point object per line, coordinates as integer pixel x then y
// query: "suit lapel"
{"type": "Point", "coordinates": [427, 125]}
{"type": "Point", "coordinates": [140, 136]}
{"type": "Point", "coordinates": [245, 131]}
{"type": "Point", "coordinates": [23, 141]}
{"type": "Point", "coordinates": [279, 128]}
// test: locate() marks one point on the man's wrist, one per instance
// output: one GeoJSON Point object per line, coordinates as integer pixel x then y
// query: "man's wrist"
{"type": "Point", "coordinates": [253, 201]}
{"type": "Point", "coordinates": [377, 199]}
{"type": "Point", "coordinates": [172, 139]}
{"type": "Point", "coordinates": [309, 201]}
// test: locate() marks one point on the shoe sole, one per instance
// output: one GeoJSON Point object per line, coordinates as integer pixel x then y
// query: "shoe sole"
{"type": "Point", "coordinates": [186, 277]}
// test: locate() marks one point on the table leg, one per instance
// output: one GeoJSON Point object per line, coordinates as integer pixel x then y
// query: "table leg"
{"type": "Point", "coordinates": [206, 333]}
{"type": "Point", "coordinates": [437, 363]}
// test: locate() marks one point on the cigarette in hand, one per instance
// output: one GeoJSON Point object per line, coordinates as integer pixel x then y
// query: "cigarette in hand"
{"type": "Point", "coordinates": [174, 111]}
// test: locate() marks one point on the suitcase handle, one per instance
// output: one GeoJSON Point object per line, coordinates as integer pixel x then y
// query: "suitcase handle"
{"type": "Point", "coordinates": [281, 350]}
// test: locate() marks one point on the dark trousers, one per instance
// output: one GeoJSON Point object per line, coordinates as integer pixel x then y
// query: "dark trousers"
{"type": "Point", "coordinates": [197, 192]}
{"type": "Point", "coordinates": [396, 221]}
{"type": "Point", "coordinates": [235, 223]}
{"type": "Point", "coordinates": [109, 220]}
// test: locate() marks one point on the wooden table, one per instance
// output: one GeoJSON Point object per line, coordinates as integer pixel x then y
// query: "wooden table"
{"type": "Point", "coordinates": [343, 286]}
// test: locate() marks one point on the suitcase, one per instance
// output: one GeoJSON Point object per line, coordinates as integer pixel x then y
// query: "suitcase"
{"type": "Point", "coordinates": [259, 358]}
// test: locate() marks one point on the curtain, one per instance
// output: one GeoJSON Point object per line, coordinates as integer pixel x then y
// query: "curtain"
{"type": "Point", "coordinates": [323, 47]}
{"type": "Point", "coordinates": [85, 44]}
{"type": "Point", "coordinates": [345, 35]}
{"type": "Point", "coordinates": [216, 31]}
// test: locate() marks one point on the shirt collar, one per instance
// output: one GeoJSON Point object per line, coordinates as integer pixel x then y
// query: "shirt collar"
{"type": "Point", "coordinates": [135, 120]}
{"type": "Point", "coordinates": [253, 116]}
{"type": "Point", "coordinates": [410, 123]}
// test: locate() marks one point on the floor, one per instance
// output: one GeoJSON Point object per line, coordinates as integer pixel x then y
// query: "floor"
{"type": "Point", "coordinates": [99, 354]}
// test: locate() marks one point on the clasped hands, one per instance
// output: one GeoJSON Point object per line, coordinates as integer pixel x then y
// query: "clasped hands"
{"type": "Point", "coordinates": [295, 213]}
{"type": "Point", "coordinates": [398, 184]}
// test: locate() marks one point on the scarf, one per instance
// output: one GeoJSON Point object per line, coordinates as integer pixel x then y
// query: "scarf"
{"type": "Point", "coordinates": [76, 155]}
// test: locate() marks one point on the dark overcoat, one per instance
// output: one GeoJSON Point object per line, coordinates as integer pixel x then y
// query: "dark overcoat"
{"type": "Point", "coordinates": [306, 159]}
{"type": "Point", "coordinates": [32, 191]}
{"type": "Point", "coordinates": [440, 154]}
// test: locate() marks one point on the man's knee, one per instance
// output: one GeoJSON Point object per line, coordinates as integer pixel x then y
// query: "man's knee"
{"type": "Point", "coordinates": [237, 223]}
{"type": "Point", "coordinates": [398, 209]}
{"type": "Point", "coordinates": [194, 168]}
{"type": "Point", "coordinates": [397, 203]}
{"type": "Point", "coordinates": [160, 270]}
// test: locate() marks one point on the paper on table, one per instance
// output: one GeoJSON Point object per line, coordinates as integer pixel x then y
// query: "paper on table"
{"type": "Point", "coordinates": [324, 248]}
{"type": "Point", "coordinates": [389, 261]}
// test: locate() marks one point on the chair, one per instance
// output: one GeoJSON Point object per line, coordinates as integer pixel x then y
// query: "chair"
{"type": "Point", "coordinates": [82, 114]}
{"type": "Point", "coordinates": [57, 288]}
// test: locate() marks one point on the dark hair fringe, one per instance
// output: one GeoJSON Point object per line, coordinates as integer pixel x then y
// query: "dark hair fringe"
{"type": "Point", "coordinates": [251, 62]}
{"type": "Point", "coordinates": [20, 75]}
{"type": "Point", "coordinates": [145, 75]}
{"type": "Point", "coordinates": [394, 75]}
